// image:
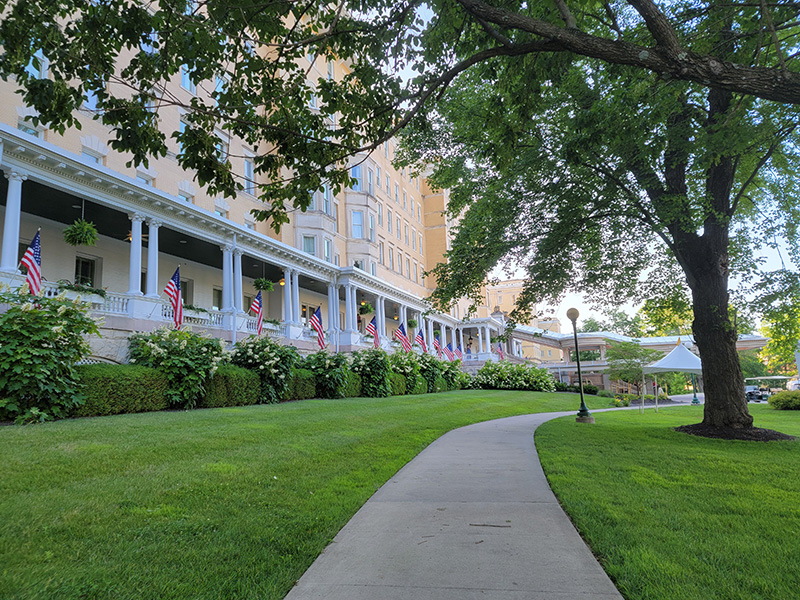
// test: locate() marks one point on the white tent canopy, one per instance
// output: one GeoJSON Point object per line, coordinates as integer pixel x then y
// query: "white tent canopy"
{"type": "Point", "coordinates": [681, 359]}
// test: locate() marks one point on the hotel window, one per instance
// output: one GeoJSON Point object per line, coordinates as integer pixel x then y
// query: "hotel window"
{"type": "Point", "coordinates": [222, 150]}
{"type": "Point", "coordinates": [182, 125]}
{"type": "Point", "coordinates": [380, 252]}
{"type": "Point", "coordinates": [148, 45]}
{"type": "Point", "coordinates": [389, 220]}
{"type": "Point", "coordinates": [312, 201]}
{"type": "Point", "coordinates": [336, 259]}
{"type": "Point", "coordinates": [328, 247]}
{"type": "Point", "coordinates": [400, 262]}
{"type": "Point", "coordinates": [372, 268]}
{"type": "Point", "coordinates": [406, 232]}
{"type": "Point", "coordinates": [413, 239]}
{"type": "Point", "coordinates": [310, 245]}
{"type": "Point", "coordinates": [370, 182]}
{"type": "Point", "coordinates": [219, 88]}
{"type": "Point", "coordinates": [386, 150]}
{"type": "Point", "coordinates": [186, 197]}
{"type": "Point", "coordinates": [415, 272]}
{"type": "Point", "coordinates": [326, 199]}
{"type": "Point", "coordinates": [90, 100]}
{"type": "Point", "coordinates": [336, 218]}
{"type": "Point", "coordinates": [380, 214]}
{"type": "Point", "coordinates": [249, 176]}
{"type": "Point", "coordinates": [221, 213]}
{"type": "Point", "coordinates": [358, 224]}
{"type": "Point", "coordinates": [29, 129]}
{"type": "Point", "coordinates": [405, 201]}
{"type": "Point", "coordinates": [355, 174]}
{"type": "Point", "coordinates": [330, 70]}
{"type": "Point", "coordinates": [91, 157]}
{"type": "Point", "coordinates": [397, 222]}
{"type": "Point", "coordinates": [387, 186]}
{"type": "Point", "coordinates": [216, 299]}
{"type": "Point", "coordinates": [420, 243]}
{"type": "Point", "coordinates": [186, 80]}
{"type": "Point", "coordinates": [312, 100]}
{"type": "Point", "coordinates": [85, 271]}
{"type": "Point", "coordinates": [144, 179]}
{"type": "Point", "coordinates": [378, 176]}
{"type": "Point", "coordinates": [397, 193]}
{"type": "Point", "coordinates": [419, 213]}
{"type": "Point", "coordinates": [391, 258]}
{"type": "Point", "coordinates": [371, 228]}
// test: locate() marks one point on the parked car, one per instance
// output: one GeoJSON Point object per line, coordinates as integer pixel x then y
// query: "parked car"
{"type": "Point", "coordinates": [754, 394]}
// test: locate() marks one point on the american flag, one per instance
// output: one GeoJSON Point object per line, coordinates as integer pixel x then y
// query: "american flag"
{"type": "Point", "coordinates": [372, 329]}
{"type": "Point", "coordinates": [448, 352]}
{"type": "Point", "coordinates": [420, 339]}
{"type": "Point", "coordinates": [436, 345]}
{"type": "Point", "coordinates": [258, 308]}
{"type": "Point", "coordinates": [316, 324]}
{"type": "Point", "coordinates": [400, 334]}
{"type": "Point", "coordinates": [32, 260]}
{"type": "Point", "coordinates": [500, 350]}
{"type": "Point", "coordinates": [173, 292]}
{"type": "Point", "coordinates": [458, 353]}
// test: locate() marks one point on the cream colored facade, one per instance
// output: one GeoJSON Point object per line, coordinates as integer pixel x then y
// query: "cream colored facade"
{"type": "Point", "coordinates": [369, 244]}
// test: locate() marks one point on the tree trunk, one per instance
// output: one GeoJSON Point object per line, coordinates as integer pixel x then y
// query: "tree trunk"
{"type": "Point", "coordinates": [715, 336]}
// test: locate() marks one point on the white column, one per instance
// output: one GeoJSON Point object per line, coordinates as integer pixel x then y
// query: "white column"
{"type": "Point", "coordinates": [488, 338]}
{"type": "Point", "coordinates": [9, 259]}
{"type": "Point", "coordinates": [349, 309]}
{"type": "Point", "coordinates": [295, 297]}
{"type": "Point", "coordinates": [453, 336]}
{"type": "Point", "coordinates": [227, 278]}
{"type": "Point", "coordinates": [429, 333]}
{"type": "Point", "coordinates": [461, 340]}
{"type": "Point", "coordinates": [480, 339]}
{"type": "Point", "coordinates": [380, 313]}
{"type": "Point", "coordinates": [152, 258]}
{"type": "Point", "coordinates": [135, 267]}
{"type": "Point", "coordinates": [238, 298]}
{"type": "Point", "coordinates": [287, 295]}
{"type": "Point", "coordinates": [333, 308]}
{"type": "Point", "coordinates": [404, 317]}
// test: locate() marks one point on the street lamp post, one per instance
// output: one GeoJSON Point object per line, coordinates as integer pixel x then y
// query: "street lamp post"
{"type": "Point", "coordinates": [584, 416]}
{"type": "Point", "coordinates": [694, 391]}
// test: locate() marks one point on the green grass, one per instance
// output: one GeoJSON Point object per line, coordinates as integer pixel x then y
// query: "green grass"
{"type": "Point", "coordinates": [675, 516]}
{"type": "Point", "coordinates": [209, 504]}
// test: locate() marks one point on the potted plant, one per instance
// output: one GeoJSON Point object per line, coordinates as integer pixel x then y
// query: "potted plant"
{"type": "Point", "coordinates": [412, 323]}
{"type": "Point", "coordinates": [81, 233]}
{"type": "Point", "coordinates": [263, 285]}
{"type": "Point", "coordinates": [365, 309]}
{"type": "Point", "coordinates": [87, 293]}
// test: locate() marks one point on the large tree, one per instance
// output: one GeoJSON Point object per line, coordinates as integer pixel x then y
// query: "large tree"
{"type": "Point", "coordinates": [634, 117]}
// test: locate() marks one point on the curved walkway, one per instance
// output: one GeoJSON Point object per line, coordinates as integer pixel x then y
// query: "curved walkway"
{"type": "Point", "coordinates": [472, 516]}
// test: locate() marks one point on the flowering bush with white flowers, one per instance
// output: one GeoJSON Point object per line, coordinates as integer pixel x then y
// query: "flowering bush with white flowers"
{"type": "Point", "coordinates": [506, 376]}
{"type": "Point", "coordinates": [41, 340]}
{"type": "Point", "coordinates": [373, 366]}
{"type": "Point", "coordinates": [272, 361]}
{"type": "Point", "coordinates": [406, 364]}
{"type": "Point", "coordinates": [330, 373]}
{"type": "Point", "coordinates": [187, 359]}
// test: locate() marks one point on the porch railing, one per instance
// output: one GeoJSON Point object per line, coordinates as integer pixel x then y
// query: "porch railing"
{"type": "Point", "coordinates": [115, 304]}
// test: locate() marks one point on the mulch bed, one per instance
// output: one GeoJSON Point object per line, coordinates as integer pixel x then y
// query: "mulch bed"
{"type": "Point", "coordinates": [749, 434]}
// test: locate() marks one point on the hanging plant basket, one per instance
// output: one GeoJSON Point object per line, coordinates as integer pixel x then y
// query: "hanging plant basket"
{"type": "Point", "coordinates": [264, 285]}
{"type": "Point", "coordinates": [365, 309]}
{"type": "Point", "coordinates": [412, 322]}
{"type": "Point", "coordinates": [81, 233]}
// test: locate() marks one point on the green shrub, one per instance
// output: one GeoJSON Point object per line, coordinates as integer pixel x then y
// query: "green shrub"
{"type": "Point", "coordinates": [620, 400]}
{"type": "Point", "coordinates": [398, 384]}
{"type": "Point", "coordinates": [41, 340]}
{"type": "Point", "coordinates": [330, 371]}
{"type": "Point", "coordinates": [302, 385]}
{"type": "Point", "coordinates": [561, 386]}
{"type": "Point", "coordinates": [785, 400]}
{"type": "Point", "coordinates": [231, 386]}
{"type": "Point", "coordinates": [452, 373]}
{"type": "Point", "coordinates": [439, 384]}
{"type": "Point", "coordinates": [605, 393]}
{"type": "Point", "coordinates": [430, 368]}
{"type": "Point", "coordinates": [420, 386]}
{"type": "Point", "coordinates": [405, 363]}
{"type": "Point", "coordinates": [272, 362]}
{"type": "Point", "coordinates": [503, 375]}
{"type": "Point", "coordinates": [118, 389]}
{"type": "Point", "coordinates": [373, 366]}
{"type": "Point", "coordinates": [187, 358]}
{"type": "Point", "coordinates": [591, 389]}
{"type": "Point", "coordinates": [352, 385]}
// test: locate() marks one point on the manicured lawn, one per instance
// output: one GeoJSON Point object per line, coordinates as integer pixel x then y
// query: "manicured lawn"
{"type": "Point", "coordinates": [674, 516]}
{"type": "Point", "coordinates": [209, 504]}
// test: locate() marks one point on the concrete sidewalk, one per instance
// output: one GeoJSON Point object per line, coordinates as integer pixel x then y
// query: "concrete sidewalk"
{"type": "Point", "coordinates": [471, 517]}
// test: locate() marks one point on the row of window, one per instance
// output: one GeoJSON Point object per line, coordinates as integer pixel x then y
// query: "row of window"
{"type": "Point", "coordinates": [388, 260]}
{"type": "Point", "coordinates": [358, 186]}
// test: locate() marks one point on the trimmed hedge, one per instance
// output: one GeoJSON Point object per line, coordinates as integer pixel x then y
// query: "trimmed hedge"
{"type": "Point", "coordinates": [352, 385]}
{"type": "Point", "coordinates": [398, 383]}
{"type": "Point", "coordinates": [785, 400]}
{"type": "Point", "coordinates": [231, 386]}
{"type": "Point", "coordinates": [440, 385]}
{"type": "Point", "coordinates": [420, 387]}
{"type": "Point", "coordinates": [117, 389]}
{"type": "Point", "coordinates": [302, 385]}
